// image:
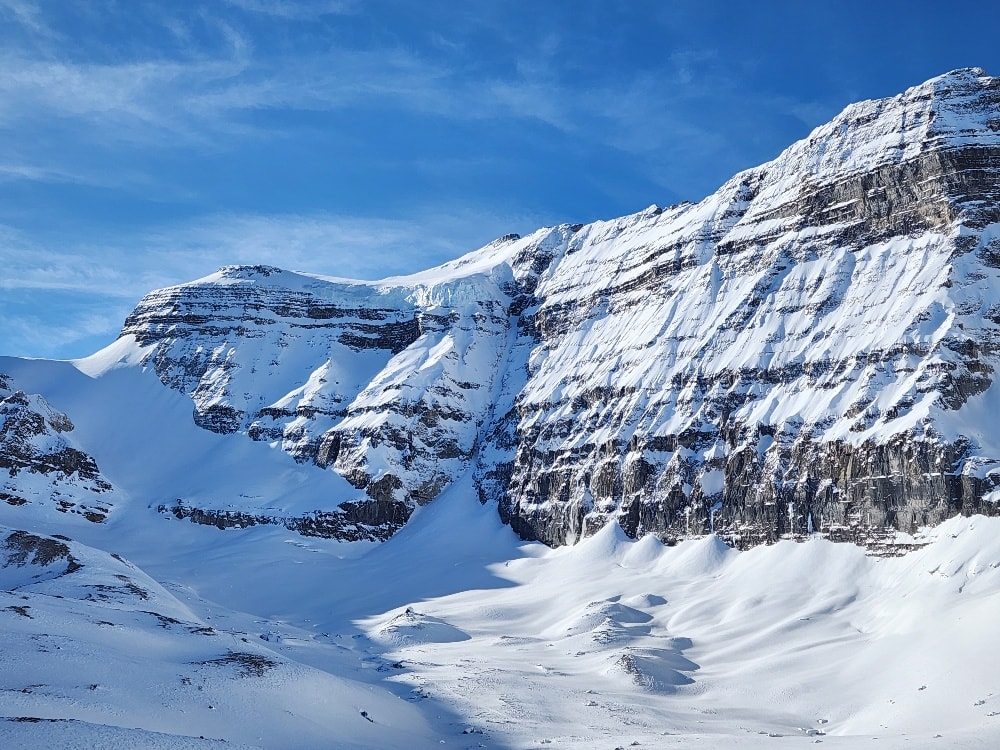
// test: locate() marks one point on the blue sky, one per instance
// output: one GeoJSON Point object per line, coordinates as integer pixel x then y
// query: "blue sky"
{"type": "Point", "coordinates": [147, 143]}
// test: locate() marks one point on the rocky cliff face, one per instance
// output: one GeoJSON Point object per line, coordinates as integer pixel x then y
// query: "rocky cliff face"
{"type": "Point", "coordinates": [811, 348]}
{"type": "Point", "coordinates": [40, 466]}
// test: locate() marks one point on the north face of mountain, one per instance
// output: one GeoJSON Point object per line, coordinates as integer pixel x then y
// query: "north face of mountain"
{"type": "Point", "coordinates": [811, 348]}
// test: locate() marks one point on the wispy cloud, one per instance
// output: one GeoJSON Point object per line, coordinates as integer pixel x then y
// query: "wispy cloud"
{"type": "Point", "coordinates": [31, 173]}
{"type": "Point", "coordinates": [208, 94]}
{"type": "Point", "coordinates": [82, 330]}
{"type": "Point", "coordinates": [228, 86]}
{"type": "Point", "coordinates": [296, 10]}
{"type": "Point", "coordinates": [27, 13]}
{"type": "Point", "coordinates": [138, 103]}
{"type": "Point", "coordinates": [345, 246]}
{"type": "Point", "coordinates": [31, 266]}
{"type": "Point", "coordinates": [100, 282]}
{"type": "Point", "coordinates": [95, 177]}
{"type": "Point", "coordinates": [336, 80]}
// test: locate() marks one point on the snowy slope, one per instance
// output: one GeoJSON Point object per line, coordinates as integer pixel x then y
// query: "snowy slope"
{"type": "Point", "coordinates": [145, 442]}
{"type": "Point", "coordinates": [97, 652]}
{"type": "Point", "coordinates": [260, 638]}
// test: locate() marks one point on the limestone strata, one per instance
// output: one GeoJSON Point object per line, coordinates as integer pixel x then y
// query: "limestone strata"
{"type": "Point", "coordinates": [349, 523]}
{"type": "Point", "coordinates": [387, 384]}
{"type": "Point", "coordinates": [811, 348]}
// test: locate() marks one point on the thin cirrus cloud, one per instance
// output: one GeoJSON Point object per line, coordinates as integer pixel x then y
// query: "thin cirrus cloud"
{"type": "Point", "coordinates": [342, 246]}
{"type": "Point", "coordinates": [14, 172]}
{"type": "Point", "coordinates": [200, 100]}
{"type": "Point", "coordinates": [29, 334]}
{"type": "Point", "coordinates": [144, 144]}
{"type": "Point", "coordinates": [288, 9]}
{"type": "Point", "coordinates": [70, 275]}
{"type": "Point", "coordinates": [27, 14]}
{"type": "Point", "coordinates": [207, 103]}
{"type": "Point", "coordinates": [203, 96]}
{"type": "Point", "coordinates": [337, 80]}
{"type": "Point", "coordinates": [143, 101]}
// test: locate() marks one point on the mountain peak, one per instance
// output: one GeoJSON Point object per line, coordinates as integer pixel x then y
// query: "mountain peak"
{"type": "Point", "coordinates": [248, 271]}
{"type": "Point", "coordinates": [971, 76]}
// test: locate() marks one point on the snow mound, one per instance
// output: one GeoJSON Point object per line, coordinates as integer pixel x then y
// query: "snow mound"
{"type": "Point", "coordinates": [660, 670]}
{"type": "Point", "coordinates": [411, 627]}
{"type": "Point", "coordinates": [604, 615]}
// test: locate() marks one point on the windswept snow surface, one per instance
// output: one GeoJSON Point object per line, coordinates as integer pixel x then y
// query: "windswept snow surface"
{"type": "Point", "coordinates": [167, 634]}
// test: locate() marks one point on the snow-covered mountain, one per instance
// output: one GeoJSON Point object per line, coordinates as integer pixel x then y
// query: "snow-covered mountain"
{"type": "Point", "coordinates": [810, 348]}
{"type": "Point", "coordinates": [805, 356]}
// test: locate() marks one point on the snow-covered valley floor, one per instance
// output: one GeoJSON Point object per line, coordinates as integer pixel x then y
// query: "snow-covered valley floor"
{"type": "Point", "coordinates": [456, 633]}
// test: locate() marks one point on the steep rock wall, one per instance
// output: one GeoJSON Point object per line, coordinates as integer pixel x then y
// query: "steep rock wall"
{"type": "Point", "coordinates": [794, 347]}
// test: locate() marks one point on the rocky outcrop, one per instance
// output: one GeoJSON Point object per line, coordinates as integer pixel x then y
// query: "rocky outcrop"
{"type": "Point", "coordinates": [810, 349]}
{"type": "Point", "coordinates": [248, 326]}
{"type": "Point", "coordinates": [42, 466]}
{"type": "Point", "coordinates": [350, 522]}
{"type": "Point", "coordinates": [21, 548]}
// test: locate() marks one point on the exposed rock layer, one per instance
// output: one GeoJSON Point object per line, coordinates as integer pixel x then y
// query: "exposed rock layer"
{"type": "Point", "coordinates": [38, 462]}
{"type": "Point", "coordinates": [811, 348]}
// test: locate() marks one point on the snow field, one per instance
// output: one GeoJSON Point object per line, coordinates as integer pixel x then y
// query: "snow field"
{"type": "Point", "coordinates": [455, 630]}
